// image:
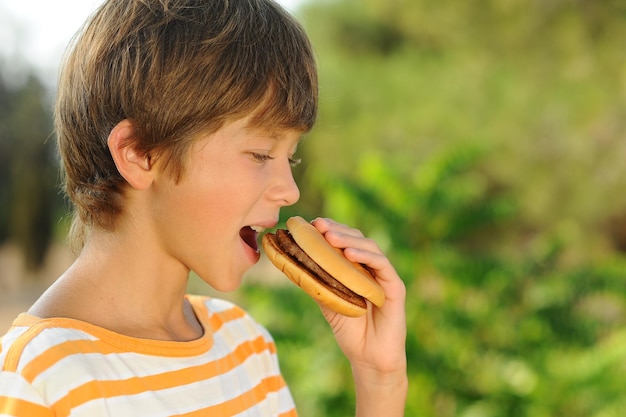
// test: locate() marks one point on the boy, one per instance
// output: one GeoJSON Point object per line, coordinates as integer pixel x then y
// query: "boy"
{"type": "Point", "coordinates": [177, 123]}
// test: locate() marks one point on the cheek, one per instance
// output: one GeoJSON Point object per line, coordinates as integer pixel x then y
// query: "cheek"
{"type": "Point", "coordinates": [211, 206]}
{"type": "Point", "coordinates": [215, 195]}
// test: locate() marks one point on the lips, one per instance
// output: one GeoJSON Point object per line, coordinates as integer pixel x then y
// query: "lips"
{"type": "Point", "coordinates": [249, 235]}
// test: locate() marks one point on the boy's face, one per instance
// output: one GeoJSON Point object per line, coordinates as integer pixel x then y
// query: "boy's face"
{"type": "Point", "coordinates": [236, 180]}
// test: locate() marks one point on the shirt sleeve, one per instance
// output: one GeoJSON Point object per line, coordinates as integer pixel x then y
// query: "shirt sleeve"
{"type": "Point", "coordinates": [18, 398]}
{"type": "Point", "coordinates": [269, 341]}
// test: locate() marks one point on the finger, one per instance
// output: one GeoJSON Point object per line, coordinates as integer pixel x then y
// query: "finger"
{"type": "Point", "coordinates": [343, 241]}
{"type": "Point", "coordinates": [324, 225]}
{"type": "Point", "coordinates": [377, 263]}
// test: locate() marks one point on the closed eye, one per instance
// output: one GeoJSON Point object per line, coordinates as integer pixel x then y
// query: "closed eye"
{"type": "Point", "coordinates": [261, 157]}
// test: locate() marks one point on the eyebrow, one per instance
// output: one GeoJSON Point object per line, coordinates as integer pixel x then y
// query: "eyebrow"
{"type": "Point", "coordinates": [273, 135]}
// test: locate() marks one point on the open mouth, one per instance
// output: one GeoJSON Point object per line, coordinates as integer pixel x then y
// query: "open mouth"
{"type": "Point", "coordinates": [249, 235]}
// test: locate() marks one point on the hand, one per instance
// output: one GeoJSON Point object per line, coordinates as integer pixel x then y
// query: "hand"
{"type": "Point", "coordinates": [374, 343]}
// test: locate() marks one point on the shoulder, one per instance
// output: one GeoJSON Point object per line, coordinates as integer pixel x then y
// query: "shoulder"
{"type": "Point", "coordinates": [30, 338]}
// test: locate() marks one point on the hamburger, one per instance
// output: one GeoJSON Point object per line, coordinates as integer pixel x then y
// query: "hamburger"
{"type": "Point", "coordinates": [302, 253]}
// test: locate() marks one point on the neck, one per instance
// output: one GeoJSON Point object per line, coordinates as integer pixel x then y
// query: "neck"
{"type": "Point", "coordinates": [122, 283]}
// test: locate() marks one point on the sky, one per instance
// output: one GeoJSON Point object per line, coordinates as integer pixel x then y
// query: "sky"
{"type": "Point", "coordinates": [34, 33]}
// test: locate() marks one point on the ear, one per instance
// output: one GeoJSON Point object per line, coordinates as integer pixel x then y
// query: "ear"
{"type": "Point", "coordinates": [134, 166]}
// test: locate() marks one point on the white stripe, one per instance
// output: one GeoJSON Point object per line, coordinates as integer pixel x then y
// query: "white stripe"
{"type": "Point", "coordinates": [12, 335]}
{"type": "Point", "coordinates": [14, 386]}
{"type": "Point", "coordinates": [218, 305]}
{"type": "Point", "coordinates": [7, 341]}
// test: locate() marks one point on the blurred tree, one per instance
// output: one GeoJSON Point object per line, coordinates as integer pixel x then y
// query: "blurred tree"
{"type": "Point", "coordinates": [28, 169]}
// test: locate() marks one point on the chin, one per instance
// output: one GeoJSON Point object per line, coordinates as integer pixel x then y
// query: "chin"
{"type": "Point", "coordinates": [228, 287]}
{"type": "Point", "coordinates": [223, 282]}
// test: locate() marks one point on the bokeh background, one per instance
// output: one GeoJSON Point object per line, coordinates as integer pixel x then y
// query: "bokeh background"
{"type": "Point", "coordinates": [482, 143]}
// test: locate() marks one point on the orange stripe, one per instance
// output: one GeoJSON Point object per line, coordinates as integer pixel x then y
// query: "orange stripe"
{"type": "Point", "coordinates": [243, 402]}
{"type": "Point", "coordinates": [14, 353]}
{"type": "Point", "coordinates": [63, 350]}
{"type": "Point", "coordinates": [217, 320]}
{"type": "Point", "coordinates": [106, 389]}
{"type": "Point", "coordinates": [18, 407]}
{"type": "Point", "coordinates": [290, 413]}
{"type": "Point", "coordinates": [232, 314]}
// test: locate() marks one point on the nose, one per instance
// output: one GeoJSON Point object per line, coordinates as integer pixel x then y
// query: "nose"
{"type": "Point", "coordinates": [285, 190]}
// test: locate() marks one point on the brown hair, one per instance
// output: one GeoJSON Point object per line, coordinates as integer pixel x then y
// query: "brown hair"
{"type": "Point", "coordinates": [176, 69]}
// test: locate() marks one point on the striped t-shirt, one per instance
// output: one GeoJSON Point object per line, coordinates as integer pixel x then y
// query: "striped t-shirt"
{"type": "Point", "coordinates": [64, 367]}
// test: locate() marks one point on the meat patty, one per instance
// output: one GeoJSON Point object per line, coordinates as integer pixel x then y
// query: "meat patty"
{"type": "Point", "coordinates": [288, 245]}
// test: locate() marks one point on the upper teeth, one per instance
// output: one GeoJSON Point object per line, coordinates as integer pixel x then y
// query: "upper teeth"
{"type": "Point", "coordinates": [258, 229]}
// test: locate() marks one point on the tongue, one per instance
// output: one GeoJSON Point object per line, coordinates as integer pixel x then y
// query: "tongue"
{"type": "Point", "coordinates": [249, 236]}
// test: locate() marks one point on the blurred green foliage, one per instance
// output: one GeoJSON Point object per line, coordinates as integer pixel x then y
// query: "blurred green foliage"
{"type": "Point", "coordinates": [482, 145]}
